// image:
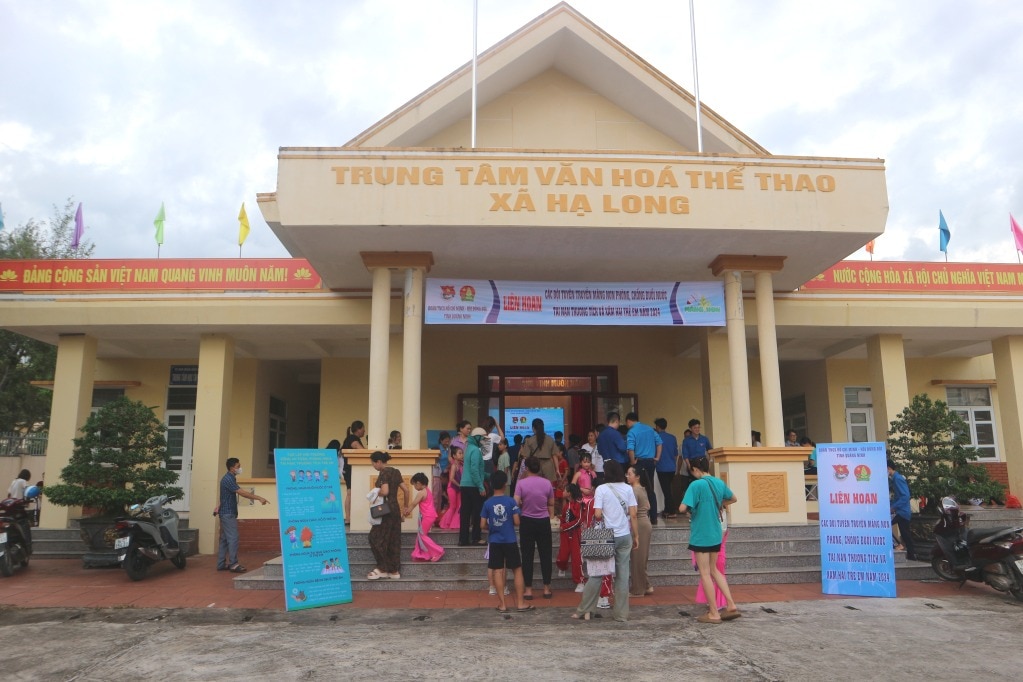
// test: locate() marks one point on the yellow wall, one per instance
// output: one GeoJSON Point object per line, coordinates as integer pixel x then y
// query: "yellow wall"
{"type": "Point", "coordinates": [810, 378]}
{"type": "Point", "coordinates": [552, 111]}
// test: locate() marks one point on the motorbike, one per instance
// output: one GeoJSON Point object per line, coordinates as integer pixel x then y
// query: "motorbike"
{"type": "Point", "coordinates": [16, 531]}
{"type": "Point", "coordinates": [987, 555]}
{"type": "Point", "coordinates": [148, 535]}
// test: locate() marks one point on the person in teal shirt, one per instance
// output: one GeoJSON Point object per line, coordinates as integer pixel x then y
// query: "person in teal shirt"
{"type": "Point", "coordinates": [705, 499]}
{"type": "Point", "coordinates": [472, 490]}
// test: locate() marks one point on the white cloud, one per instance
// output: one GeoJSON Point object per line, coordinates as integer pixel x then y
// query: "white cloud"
{"type": "Point", "coordinates": [126, 104]}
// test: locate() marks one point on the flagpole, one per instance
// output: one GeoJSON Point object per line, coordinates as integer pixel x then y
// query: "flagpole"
{"type": "Point", "coordinates": [696, 80]}
{"type": "Point", "coordinates": [475, 13]}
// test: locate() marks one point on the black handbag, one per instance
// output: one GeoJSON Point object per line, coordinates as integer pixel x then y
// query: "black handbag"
{"type": "Point", "coordinates": [380, 510]}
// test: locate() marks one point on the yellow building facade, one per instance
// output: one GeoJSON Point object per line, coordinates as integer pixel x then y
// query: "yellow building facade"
{"type": "Point", "coordinates": [585, 169]}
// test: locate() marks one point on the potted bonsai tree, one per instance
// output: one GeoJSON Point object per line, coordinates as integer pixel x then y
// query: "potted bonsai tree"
{"type": "Point", "coordinates": [931, 445]}
{"type": "Point", "coordinates": [119, 460]}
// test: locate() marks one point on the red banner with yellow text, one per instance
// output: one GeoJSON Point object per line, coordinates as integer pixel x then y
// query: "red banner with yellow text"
{"type": "Point", "coordinates": [159, 274]}
{"type": "Point", "coordinates": [933, 278]}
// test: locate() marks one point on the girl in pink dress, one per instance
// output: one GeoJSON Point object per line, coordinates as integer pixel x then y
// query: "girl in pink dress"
{"type": "Point", "coordinates": [451, 516]}
{"type": "Point", "coordinates": [425, 549]}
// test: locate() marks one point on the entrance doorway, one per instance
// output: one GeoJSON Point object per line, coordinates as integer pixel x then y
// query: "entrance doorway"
{"type": "Point", "coordinates": [180, 437]}
{"type": "Point", "coordinates": [569, 399]}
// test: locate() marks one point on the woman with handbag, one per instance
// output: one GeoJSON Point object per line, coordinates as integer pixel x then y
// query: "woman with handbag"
{"type": "Point", "coordinates": [385, 538]}
{"type": "Point", "coordinates": [706, 500]}
{"type": "Point", "coordinates": [615, 505]}
{"type": "Point", "coordinates": [641, 587]}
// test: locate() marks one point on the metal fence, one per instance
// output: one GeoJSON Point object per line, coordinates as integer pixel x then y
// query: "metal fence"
{"type": "Point", "coordinates": [14, 444]}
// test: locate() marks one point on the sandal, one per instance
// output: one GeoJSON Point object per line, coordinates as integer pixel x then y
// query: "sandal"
{"type": "Point", "coordinates": [705, 618]}
{"type": "Point", "coordinates": [577, 616]}
{"type": "Point", "coordinates": [731, 614]}
{"type": "Point", "coordinates": [528, 608]}
{"type": "Point", "coordinates": [237, 568]}
{"type": "Point", "coordinates": [376, 574]}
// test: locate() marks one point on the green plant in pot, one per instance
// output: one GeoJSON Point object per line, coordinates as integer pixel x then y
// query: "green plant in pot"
{"type": "Point", "coordinates": [119, 460]}
{"type": "Point", "coordinates": [931, 445]}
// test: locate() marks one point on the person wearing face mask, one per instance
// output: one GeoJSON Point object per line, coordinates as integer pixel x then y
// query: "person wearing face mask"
{"type": "Point", "coordinates": [227, 556]}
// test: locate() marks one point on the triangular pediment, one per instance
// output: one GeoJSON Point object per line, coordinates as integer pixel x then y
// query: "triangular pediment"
{"type": "Point", "coordinates": [558, 82]}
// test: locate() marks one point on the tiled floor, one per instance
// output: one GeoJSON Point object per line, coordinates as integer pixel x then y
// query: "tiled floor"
{"type": "Point", "coordinates": [63, 582]}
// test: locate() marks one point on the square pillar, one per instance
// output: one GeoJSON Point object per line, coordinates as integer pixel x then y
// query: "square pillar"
{"type": "Point", "coordinates": [1008, 356]}
{"type": "Point", "coordinates": [212, 434]}
{"type": "Point", "coordinates": [72, 402]}
{"type": "Point", "coordinates": [716, 376]}
{"type": "Point", "coordinates": [886, 360]}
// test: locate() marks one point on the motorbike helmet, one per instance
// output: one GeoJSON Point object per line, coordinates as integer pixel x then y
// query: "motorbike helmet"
{"type": "Point", "coordinates": [32, 492]}
{"type": "Point", "coordinates": [949, 506]}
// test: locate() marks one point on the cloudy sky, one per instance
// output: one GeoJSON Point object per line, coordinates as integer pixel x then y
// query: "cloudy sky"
{"type": "Point", "coordinates": [122, 105]}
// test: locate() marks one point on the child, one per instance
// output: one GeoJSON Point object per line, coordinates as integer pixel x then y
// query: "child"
{"type": "Point", "coordinates": [451, 518]}
{"type": "Point", "coordinates": [571, 527]}
{"type": "Point", "coordinates": [499, 518]}
{"type": "Point", "coordinates": [425, 549]}
{"type": "Point", "coordinates": [559, 485]}
{"type": "Point", "coordinates": [585, 478]}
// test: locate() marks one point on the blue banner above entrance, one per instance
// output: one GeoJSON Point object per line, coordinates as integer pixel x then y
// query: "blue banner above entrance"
{"type": "Point", "coordinates": [480, 301]}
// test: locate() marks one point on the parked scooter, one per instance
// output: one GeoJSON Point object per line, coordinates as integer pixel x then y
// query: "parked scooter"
{"type": "Point", "coordinates": [148, 535]}
{"type": "Point", "coordinates": [16, 531]}
{"type": "Point", "coordinates": [992, 556]}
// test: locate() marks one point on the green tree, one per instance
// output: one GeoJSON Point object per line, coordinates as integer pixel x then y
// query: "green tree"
{"type": "Point", "coordinates": [931, 445]}
{"type": "Point", "coordinates": [22, 359]}
{"type": "Point", "coordinates": [119, 460]}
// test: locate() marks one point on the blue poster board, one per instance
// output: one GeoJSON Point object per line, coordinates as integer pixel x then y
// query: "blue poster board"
{"type": "Point", "coordinates": [313, 543]}
{"type": "Point", "coordinates": [856, 524]}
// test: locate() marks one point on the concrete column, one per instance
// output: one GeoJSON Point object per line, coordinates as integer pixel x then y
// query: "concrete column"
{"type": "Point", "coordinates": [379, 342]}
{"type": "Point", "coordinates": [886, 360]}
{"type": "Point", "coordinates": [72, 401]}
{"type": "Point", "coordinates": [1008, 356]}
{"type": "Point", "coordinates": [412, 360]}
{"type": "Point", "coordinates": [770, 376]}
{"type": "Point", "coordinates": [735, 324]}
{"type": "Point", "coordinates": [211, 447]}
{"type": "Point", "coordinates": [716, 376]}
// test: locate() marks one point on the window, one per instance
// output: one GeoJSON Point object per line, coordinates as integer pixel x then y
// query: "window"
{"type": "Point", "coordinates": [973, 404]}
{"type": "Point", "coordinates": [278, 427]}
{"type": "Point", "coordinates": [102, 396]}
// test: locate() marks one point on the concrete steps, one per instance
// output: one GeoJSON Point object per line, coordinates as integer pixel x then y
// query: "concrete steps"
{"type": "Point", "coordinates": [67, 543]}
{"type": "Point", "coordinates": [756, 555]}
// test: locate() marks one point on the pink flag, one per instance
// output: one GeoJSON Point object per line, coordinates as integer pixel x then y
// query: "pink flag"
{"type": "Point", "coordinates": [79, 228]}
{"type": "Point", "coordinates": [1017, 233]}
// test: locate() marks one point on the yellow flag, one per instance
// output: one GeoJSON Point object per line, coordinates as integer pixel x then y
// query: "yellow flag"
{"type": "Point", "coordinates": [243, 225]}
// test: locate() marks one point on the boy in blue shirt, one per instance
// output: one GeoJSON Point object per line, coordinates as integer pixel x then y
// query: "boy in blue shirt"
{"type": "Point", "coordinates": [500, 517]}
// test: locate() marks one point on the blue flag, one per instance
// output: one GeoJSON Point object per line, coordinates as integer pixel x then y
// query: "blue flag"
{"type": "Point", "coordinates": [943, 234]}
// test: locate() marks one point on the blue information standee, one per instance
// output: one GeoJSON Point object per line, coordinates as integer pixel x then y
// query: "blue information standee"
{"type": "Point", "coordinates": [313, 544]}
{"type": "Point", "coordinates": [856, 526]}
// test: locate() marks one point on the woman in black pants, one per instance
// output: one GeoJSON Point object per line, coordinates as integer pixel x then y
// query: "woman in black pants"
{"type": "Point", "coordinates": [535, 497]}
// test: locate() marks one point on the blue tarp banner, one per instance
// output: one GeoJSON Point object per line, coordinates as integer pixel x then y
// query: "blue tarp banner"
{"type": "Point", "coordinates": [482, 301]}
{"type": "Point", "coordinates": [856, 524]}
{"type": "Point", "coordinates": [313, 543]}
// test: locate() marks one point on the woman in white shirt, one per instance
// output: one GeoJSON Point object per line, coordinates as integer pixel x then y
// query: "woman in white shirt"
{"type": "Point", "coordinates": [614, 503]}
{"type": "Point", "coordinates": [19, 485]}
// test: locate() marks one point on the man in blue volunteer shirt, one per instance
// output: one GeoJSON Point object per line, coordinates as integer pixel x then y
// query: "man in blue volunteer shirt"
{"type": "Point", "coordinates": [666, 465]}
{"type": "Point", "coordinates": [610, 443]}
{"type": "Point", "coordinates": [644, 446]}
{"type": "Point", "coordinates": [694, 446]}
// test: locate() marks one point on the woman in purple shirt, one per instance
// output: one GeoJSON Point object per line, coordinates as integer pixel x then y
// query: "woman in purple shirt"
{"type": "Point", "coordinates": [535, 496]}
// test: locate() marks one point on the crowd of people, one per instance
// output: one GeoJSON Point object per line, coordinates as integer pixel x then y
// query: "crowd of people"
{"type": "Point", "coordinates": [539, 485]}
